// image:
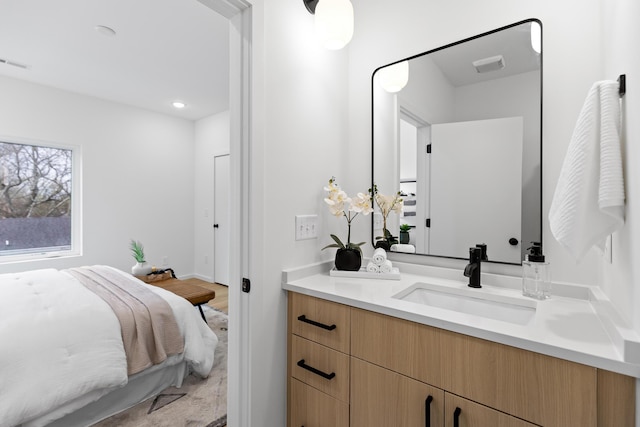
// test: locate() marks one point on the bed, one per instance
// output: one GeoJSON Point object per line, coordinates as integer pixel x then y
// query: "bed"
{"type": "Point", "coordinates": [68, 359]}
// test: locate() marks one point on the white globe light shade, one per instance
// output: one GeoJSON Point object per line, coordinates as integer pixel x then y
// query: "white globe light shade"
{"type": "Point", "coordinates": [394, 77]}
{"type": "Point", "coordinates": [536, 37]}
{"type": "Point", "coordinates": [334, 23]}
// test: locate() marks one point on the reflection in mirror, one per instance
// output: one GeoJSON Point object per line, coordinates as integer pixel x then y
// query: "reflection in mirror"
{"type": "Point", "coordinates": [462, 142]}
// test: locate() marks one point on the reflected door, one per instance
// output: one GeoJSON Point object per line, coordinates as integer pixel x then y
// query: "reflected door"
{"type": "Point", "coordinates": [480, 165]}
{"type": "Point", "coordinates": [221, 243]}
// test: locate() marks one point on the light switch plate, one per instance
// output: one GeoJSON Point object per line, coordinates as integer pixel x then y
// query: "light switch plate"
{"type": "Point", "coordinates": [306, 227]}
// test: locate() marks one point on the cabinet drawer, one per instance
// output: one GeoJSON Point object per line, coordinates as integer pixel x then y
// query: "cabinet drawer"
{"type": "Point", "coordinates": [320, 367]}
{"type": "Point", "coordinates": [312, 408]}
{"type": "Point", "coordinates": [473, 414]}
{"type": "Point", "coordinates": [321, 321]}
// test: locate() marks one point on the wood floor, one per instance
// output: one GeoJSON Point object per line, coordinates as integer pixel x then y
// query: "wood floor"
{"type": "Point", "coordinates": [221, 301]}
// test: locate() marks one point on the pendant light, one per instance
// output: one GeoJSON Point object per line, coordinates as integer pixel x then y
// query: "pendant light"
{"type": "Point", "coordinates": [333, 21]}
{"type": "Point", "coordinates": [536, 37]}
{"type": "Point", "coordinates": [394, 78]}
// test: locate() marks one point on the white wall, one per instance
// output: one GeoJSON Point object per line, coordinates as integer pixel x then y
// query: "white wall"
{"type": "Point", "coordinates": [622, 277]}
{"type": "Point", "coordinates": [137, 173]}
{"type": "Point", "coordinates": [429, 94]}
{"type": "Point", "coordinates": [211, 139]}
{"type": "Point", "coordinates": [299, 140]}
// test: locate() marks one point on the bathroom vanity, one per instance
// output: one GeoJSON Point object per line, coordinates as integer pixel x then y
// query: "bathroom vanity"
{"type": "Point", "coordinates": [366, 352]}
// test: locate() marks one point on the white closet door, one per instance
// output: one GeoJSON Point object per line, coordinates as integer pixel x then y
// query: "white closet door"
{"type": "Point", "coordinates": [221, 236]}
{"type": "Point", "coordinates": [476, 176]}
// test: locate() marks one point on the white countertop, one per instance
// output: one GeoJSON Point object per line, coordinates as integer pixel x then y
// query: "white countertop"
{"type": "Point", "coordinates": [577, 323]}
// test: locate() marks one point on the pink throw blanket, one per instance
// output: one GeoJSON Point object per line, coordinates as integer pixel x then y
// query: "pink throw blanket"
{"type": "Point", "coordinates": [149, 329]}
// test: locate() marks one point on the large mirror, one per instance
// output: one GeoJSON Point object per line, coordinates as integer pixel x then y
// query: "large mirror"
{"type": "Point", "coordinates": [458, 132]}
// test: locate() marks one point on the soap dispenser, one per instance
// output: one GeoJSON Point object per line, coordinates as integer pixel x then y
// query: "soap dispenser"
{"type": "Point", "coordinates": [536, 277]}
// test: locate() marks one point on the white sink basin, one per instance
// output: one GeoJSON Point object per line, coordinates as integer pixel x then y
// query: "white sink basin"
{"type": "Point", "coordinates": [476, 302]}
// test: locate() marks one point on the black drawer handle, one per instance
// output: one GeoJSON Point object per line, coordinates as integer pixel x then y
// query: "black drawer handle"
{"type": "Point", "coordinates": [316, 371]}
{"type": "Point", "coordinates": [456, 417]}
{"type": "Point", "coordinates": [427, 411]}
{"type": "Point", "coordinates": [304, 319]}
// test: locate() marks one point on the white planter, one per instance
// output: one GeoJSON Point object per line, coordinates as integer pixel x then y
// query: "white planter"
{"type": "Point", "coordinates": [141, 269]}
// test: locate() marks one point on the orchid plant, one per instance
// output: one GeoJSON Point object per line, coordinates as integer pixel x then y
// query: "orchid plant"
{"type": "Point", "coordinates": [387, 204]}
{"type": "Point", "coordinates": [341, 205]}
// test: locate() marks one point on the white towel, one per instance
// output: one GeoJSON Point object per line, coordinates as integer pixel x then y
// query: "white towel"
{"type": "Point", "coordinates": [379, 256]}
{"type": "Point", "coordinates": [407, 249]}
{"type": "Point", "coordinates": [588, 203]}
{"type": "Point", "coordinates": [386, 267]}
{"type": "Point", "coordinates": [372, 268]}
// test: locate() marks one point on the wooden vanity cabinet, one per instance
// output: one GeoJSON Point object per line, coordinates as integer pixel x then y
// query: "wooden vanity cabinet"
{"type": "Point", "coordinates": [398, 371]}
{"type": "Point", "coordinates": [318, 362]}
{"type": "Point", "coordinates": [383, 398]}
{"type": "Point", "coordinates": [521, 385]}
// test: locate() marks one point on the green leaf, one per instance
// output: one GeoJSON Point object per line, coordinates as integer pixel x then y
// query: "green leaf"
{"type": "Point", "coordinates": [356, 246]}
{"type": "Point", "coordinates": [337, 240]}
{"type": "Point", "coordinates": [137, 250]}
{"type": "Point", "coordinates": [333, 245]}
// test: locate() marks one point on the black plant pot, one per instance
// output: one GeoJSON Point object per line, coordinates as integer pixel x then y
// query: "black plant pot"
{"type": "Point", "coordinates": [404, 237]}
{"type": "Point", "coordinates": [348, 259]}
{"type": "Point", "coordinates": [384, 245]}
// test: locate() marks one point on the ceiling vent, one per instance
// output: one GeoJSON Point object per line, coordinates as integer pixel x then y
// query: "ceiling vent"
{"type": "Point", "coordinates": [13, 63]}
{"type": "Point", "coordinates": [492, 63]}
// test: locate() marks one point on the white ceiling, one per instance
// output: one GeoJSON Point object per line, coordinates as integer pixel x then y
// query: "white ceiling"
{"type": "Point", "coordinates": [164, 50]}
{"type": "Point", "coordinates": [514, 44]}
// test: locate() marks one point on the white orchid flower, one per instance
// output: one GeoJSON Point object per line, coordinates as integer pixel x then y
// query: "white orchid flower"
{"type": "Point", "coordinates": [337, 210]}
{"type": "Point", "coordinates": [361, 204]}
{"type": "Point", "coordinates": [397, 208]}
{"type": "Point", "coordinates": [337, 200]}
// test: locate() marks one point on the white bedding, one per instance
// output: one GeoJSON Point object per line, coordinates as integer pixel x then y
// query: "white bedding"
{"type": "Point", "coordinates": [61, 343]}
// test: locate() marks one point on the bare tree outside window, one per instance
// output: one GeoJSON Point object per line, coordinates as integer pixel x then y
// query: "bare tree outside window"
{"type": "Point", "coordinates": [35, 197]}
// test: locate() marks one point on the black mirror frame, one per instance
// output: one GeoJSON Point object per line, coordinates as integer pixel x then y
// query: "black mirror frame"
{"type": "Point", "coordinates": [373, 239]}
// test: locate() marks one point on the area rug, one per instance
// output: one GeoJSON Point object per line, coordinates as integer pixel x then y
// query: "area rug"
{"type": "Point", "coordinates": [198, 403]}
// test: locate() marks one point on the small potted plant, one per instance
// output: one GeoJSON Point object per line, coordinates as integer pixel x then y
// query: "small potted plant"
{"type": "Point", "coordinates": [141, 268]}
{"type": "Point", "coordinates": [404, 233]}
{"type": "Point", "coordinates": [349, 255]}
{"type": "Point", "coordinates": [387, 204]}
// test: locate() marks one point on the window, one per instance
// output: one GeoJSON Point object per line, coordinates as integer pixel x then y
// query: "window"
{"type": "Point", "coordinates": [38, 212]}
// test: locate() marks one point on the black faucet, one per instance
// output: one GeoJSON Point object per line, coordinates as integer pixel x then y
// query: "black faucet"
{"type": "Point", "coordinates": [483, 248]}
{"type": "Point", "coordinates": [473, 269]}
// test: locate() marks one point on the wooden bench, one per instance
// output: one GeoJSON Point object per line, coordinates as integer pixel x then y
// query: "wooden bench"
{"type": "Point", "coordinates": [196, 295]}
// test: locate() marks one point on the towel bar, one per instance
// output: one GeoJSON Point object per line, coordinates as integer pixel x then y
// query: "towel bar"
{"type": "Point", "coordinates": [622, 80]}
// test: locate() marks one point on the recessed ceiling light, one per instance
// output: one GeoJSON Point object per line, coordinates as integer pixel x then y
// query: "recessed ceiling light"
{"type": "Point", "coordinates": [105, 31]}
{"type": "Point", "coordinates": [179, 104]}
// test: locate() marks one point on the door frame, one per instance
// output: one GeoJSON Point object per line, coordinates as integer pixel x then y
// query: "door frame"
{"type": "Point", "coordinates": [239, 13]}
{"type": "Point", "coordinates": [423, 171]}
